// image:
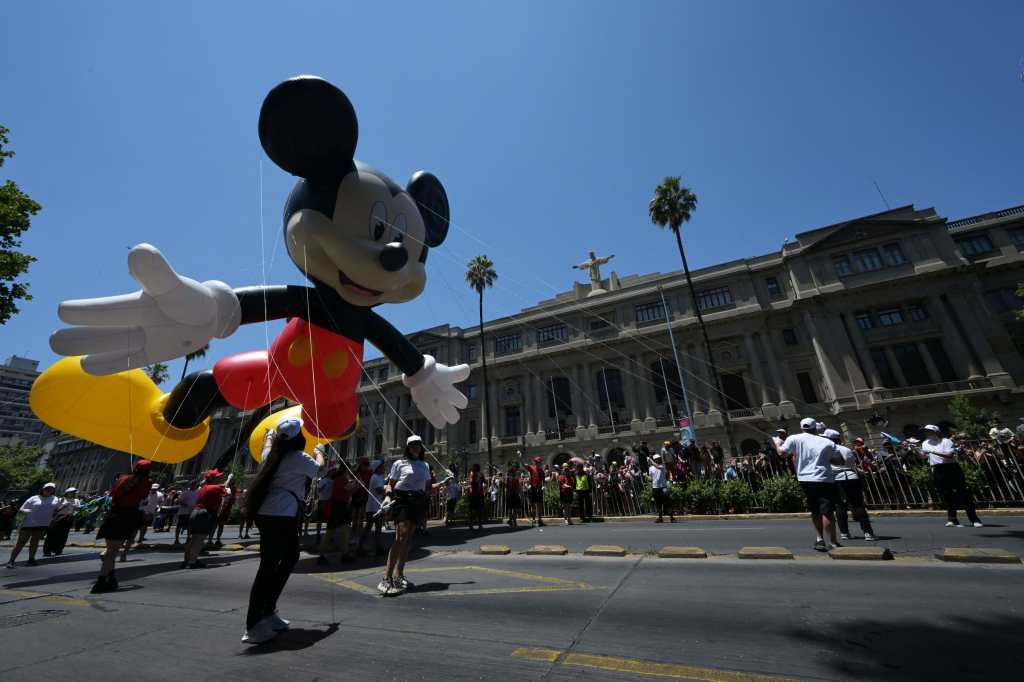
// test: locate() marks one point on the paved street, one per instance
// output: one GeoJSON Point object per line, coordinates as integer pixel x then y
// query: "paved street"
{"type": "Point", "coordinates": [520, 617]}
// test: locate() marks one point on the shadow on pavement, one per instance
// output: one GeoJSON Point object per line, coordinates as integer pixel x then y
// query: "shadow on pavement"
{"type": "Point", "coordinates": [294, 639]}
{"type": "Point", "coordinates": [437, 587]}
{"type": "Point", "coordinates": [126, 573]}
{"type": "Point", "coordinates": [958, 648]}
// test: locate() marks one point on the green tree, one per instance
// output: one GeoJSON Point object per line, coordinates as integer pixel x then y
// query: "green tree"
{"type": "Point", "coordinates": [158, 372]}
{"type": "Point", "coordinates": [162, 473]}
{"type": "Point", "coordinates": [671, 206]}
{"type": "Point", "coordinates": [16, 211]}
{"type": "Point", "coordinates": [968, 419]}
{"type": "Point", "coordinates": [480, 275]}
{"type": "Point", "coordinates": [195, 355]}
{"type": "Point", "coordinates": [20, 468]}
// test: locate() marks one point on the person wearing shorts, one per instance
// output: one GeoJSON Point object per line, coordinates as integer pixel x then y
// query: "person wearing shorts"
{"type": "Point", "coordinates": [122, 520]}
{"type": "Point", "coordinates": [373, 501]}
{"type": "Point", "coordinates": [408, 486]}
{"type": "Point", "coordinates": [38, 511]}
{"type": "Point", "coordinates": [186, 502]}
{"type": "Point", "coordinates": [813, 457]}
{"type": "Point", "coordinates": [203, 519]}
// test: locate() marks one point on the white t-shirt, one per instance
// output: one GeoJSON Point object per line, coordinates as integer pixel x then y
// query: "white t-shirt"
{"type": "Point", "coordinates": [847, 471]}
{"type": "Point", "coordinates": [186, 501]}
{"type": "Point", "coordinates": [1003, 435]}
{"type": "Point", "coordinates": [410, 474]}
{"type": "Point", "coordinates": [287, 490]}
{"type": "Point", "coordinates": [152, 501]}
{"type": "Point", "coordinates": [66, 507]}
{"type": "Point", "coordinates": [38, 511]}
{"type": "Point", "coordinates": [813, 454]}
{"type": "Point", "coordinates": [934, 448]}
{"type": "Point", "coordinates": [377, 484]}
{"type": "Point", "coordinates": [659, 478]}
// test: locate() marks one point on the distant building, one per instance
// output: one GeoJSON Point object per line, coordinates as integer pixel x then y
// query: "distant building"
{"type": "Point", "coordinates": [17, 422]}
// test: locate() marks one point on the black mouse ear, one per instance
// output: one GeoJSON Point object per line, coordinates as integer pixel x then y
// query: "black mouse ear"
{"type": "Point", "coordinates": [429, 195]}
{"type": "Point", "coordinates": [309, 128]}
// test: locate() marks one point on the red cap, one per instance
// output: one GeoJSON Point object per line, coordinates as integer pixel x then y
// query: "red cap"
{"type": "Point", "coordinates": [213, 473]}
{"type": "Point", "coordinates": [538, 460]}
{"type": "Point", "coordinates": [142, 465]}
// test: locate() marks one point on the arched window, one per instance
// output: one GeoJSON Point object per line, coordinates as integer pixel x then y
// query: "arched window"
{"type": "Point", "coordinates": [665, 375]}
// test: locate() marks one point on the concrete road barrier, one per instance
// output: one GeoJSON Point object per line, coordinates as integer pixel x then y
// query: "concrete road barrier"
{"type": "Point", "coordinates": [495, 550]}
{"type": "Point", "coordinates": [604, 550]}
{"type": "Point", "coordinates": [765, 553]}
{"type": "Point", "coordinates": [547, 550]}
{"type": "Point", "coordinates": [977, 555]}
{"type": "Point", "coordinates": [861, 553]}
{"type": "Point", "coordinates": [682, 553]}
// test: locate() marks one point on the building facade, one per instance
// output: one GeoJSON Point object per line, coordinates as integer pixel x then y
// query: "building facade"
{"type": "Point", "coordinates": [18, 424]}
{"type": "Point", "coordinates": [878, 319]}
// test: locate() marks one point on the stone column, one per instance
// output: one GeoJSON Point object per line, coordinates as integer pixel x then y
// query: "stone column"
{"type": "Point", "coordinates": [874, 377]}
{"type": "Point", "coordinates": [578, 407]}
{"type": "Point", "coordinates": [540, 402]}
{"type": "Point", "coordinates": [933, 370]}
{"type": "Point", "coordinates": [973, 316]}
{"type": "Point", "coordinates": [526, 389]}
{"type": "Point", "coordinates": [588, 381]}
{"type": "Point", "coordinates": [961, 353]}
{"type": "Point", "coordinates": [896, 369]}
{"type": "Point", "coordinates": [646, 390]}
{"type": "Point", "coordinates": [630, 386]}
{"type": "Point", "coordinates": [755, 366]}
{"type": "Point", "coordinates": [835, 328]}
{"type": "Point", "coordinates": [773, 349]}
{"type": "Point", "coordinates": [825, 363]}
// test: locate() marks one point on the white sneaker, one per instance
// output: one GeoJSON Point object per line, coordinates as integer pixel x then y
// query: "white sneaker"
{"type": "Point", "coordinates": [979, 524]}
{"type": "Point", "coordinates": [259, 633]}
{"type": "Point", "coordinates": [276, 622]}
{"type": "Point", "coordinates": [384, 586]}
{"type": "Point", "coordinates": [950, 524]}
{"type": "Point", "coordinates": [844, 536]}
{"type": "Point", "coordinates": [869, 537]}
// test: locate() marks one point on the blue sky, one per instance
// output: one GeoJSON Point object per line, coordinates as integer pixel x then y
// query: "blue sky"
{"type": "Point", "coordinates": [548, 122]}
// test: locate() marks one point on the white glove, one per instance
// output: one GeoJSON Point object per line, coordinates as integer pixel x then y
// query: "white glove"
{"type": "Point", "coordinates": [170, 317]}
{"type": "Point", "coordinates": [433, 390]}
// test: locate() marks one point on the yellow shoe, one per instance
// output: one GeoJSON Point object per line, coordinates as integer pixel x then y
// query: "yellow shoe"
{"type": "Point", "coordinates": [122, 411]}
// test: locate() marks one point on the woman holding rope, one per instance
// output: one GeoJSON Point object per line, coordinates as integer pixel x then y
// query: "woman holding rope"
{"type": "Point", "coordinates": [123, 520]}
{"type": "Point", "coordinates": [408, 485]}
{"type": "Point", "coordinates": [275, 501]}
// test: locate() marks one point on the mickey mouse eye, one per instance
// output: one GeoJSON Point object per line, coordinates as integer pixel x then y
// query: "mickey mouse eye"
{"type": "Point", "coordinates": [398, 226]}
{"type": "Point", "coordinates": [379, 222]}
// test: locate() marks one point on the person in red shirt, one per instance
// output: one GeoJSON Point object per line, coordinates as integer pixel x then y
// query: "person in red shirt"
{"type": "Point", "coordinates": [203, 519]}
{"type": "Point", "coordinates": [512, 495]}
{"type": "Point", "coordinates": [566, 486]}
{"type": "Point", "coordinates": [123, 520]}
{"type": "Point", "coordinates": [476, 497]}
{"type": "Point", "coordinates": [225, 509]}
{"type": "Point", "coordinates": [339, 516]}
{"type": "Point", "coordinates": [536, 473]}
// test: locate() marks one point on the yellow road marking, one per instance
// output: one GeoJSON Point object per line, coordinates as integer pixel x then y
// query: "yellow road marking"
{"type": "Point", "coordinates": [553, 584]}
{"type": "Point", "coordinates": [43, 596]}
{"type": "Point", "coordinates": [638, 667]}
{"type": "Point", "coordinates": [497, 571]}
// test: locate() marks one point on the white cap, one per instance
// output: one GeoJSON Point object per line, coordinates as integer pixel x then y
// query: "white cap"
{"type": "Point", "coordinates": [832, 434]}
{"type": "Point", "coordinates": [51, 484]}
{"type": "Point", "coordinates": [71, 490]}
{"type": "Point", "coordinates": [932, 427]}
{"type": "Point", "coordinates": [808, 423]}
{"type": "Point", "coordinates": [819, 427]}
{"type": "Point", "coordinates": [781, 431]}
{"type": "Point", "coordinates": [413, 439]}
{"type": "Point", "coordinates": [155, 486]}
{"type": "Point", "coordinates": [289, 427]}
{"type": "Point", "coordinates": [656, 457]}
{"type": "Point", "coordinates": [913, 440]}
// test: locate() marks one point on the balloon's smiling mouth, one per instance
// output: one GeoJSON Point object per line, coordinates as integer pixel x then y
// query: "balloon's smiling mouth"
{"type": "Point", "coordinates": [347, 283]}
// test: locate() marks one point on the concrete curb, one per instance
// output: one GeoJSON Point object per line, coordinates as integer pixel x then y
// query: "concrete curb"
{"type": "Point", "coordinates": [977, 555]}
{"type": "Point", "coordinates": [604, 550]}
{"type": "Point", "coordinates": [495, 550]}
{"type": "Point", "coordinates": [764, 553]}
{"type": "Point", "coordinates": [547, 550]}
{"type": "Point", "coordinates": [682, 553]}
{"type": "Point", "coordinates": [861, 554]}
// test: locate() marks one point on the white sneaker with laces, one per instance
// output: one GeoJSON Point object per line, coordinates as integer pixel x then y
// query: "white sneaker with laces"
{"type": "Point", "coordinates": [384, 586]}
{"type": "Point", "coordinates": [869, 537]}
{"type": "Point", "coordinates": [277, 623]}
{"type": "Point", "coordinates": [950, 524]}
{"type": "Point", "coordinates": [979, 524]}
{"type": "Point", "coordinates": [844, 536]}
{"type": "Point", "coordinates": [259, 633]}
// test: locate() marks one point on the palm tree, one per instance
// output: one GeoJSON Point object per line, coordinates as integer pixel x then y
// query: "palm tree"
{"type": "Point", "coordinates": [480, 275]}
{"type": "Point", "coordinates": [157, 372]}
{"type": "Point", "coordinates": [673, 205]}
{"type": "Point", "coordinates": [194, 355]}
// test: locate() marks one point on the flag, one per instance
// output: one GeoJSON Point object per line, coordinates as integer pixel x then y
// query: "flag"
{"type": "Point", "coordinates": [684, 423]}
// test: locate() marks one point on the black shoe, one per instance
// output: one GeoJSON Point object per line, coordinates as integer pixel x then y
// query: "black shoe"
{"type": "Point", "coordinates": [197, 564]}
{"type": "Point", "coordinates": [46, 554]}
{"type": "Point", "coordinates": [111, 582]}
{"type": "Point", "coordinates": [820, 546]}
{"type": "Point", "coordinates": [102, 585]}
{"type": "Point", "coordinates": [322, 561]}
{"type": "Point", "coordinates": [31, 562]}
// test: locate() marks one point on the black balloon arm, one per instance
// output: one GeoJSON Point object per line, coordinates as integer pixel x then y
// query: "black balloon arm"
{"type": "Point", "coordinates": [393, 344]}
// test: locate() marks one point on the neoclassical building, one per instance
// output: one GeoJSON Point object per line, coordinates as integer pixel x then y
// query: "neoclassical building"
{"type": "Point", "coordinates": [888, 315]}
{"type": "Point", "coordinates": [884, 316]}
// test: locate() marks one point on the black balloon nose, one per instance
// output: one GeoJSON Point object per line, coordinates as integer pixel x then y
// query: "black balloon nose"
{"type": "Point", "coordinates": [394, 257]}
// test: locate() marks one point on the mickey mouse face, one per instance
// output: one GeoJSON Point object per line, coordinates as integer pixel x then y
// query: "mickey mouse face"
{"type": "Point", "coordinates": [347, 225]}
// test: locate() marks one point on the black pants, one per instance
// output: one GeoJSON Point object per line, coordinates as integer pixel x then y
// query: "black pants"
{"type": "Point", "coordinates": [851, 498]}
{"type": "Point", "coordinates": [586, 504]}
{"type": "Point", "coordinates": [279, 552]}
{"type": "Point", "coordinates": [949, 479]}
{"type": "Point", "coordinates": [57, 536]}
{"type": "Point", "coordinates": [661, 502]}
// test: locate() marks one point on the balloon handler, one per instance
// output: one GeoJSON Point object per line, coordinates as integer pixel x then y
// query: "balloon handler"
{"type": "Point", "coordinates": [360, 239]}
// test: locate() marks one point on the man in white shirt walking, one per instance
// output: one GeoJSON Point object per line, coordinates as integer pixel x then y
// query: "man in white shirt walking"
{"type": "Point", "coordinates": [659, 489]}
{"type": "Point", "coordinates": [813, 457]}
